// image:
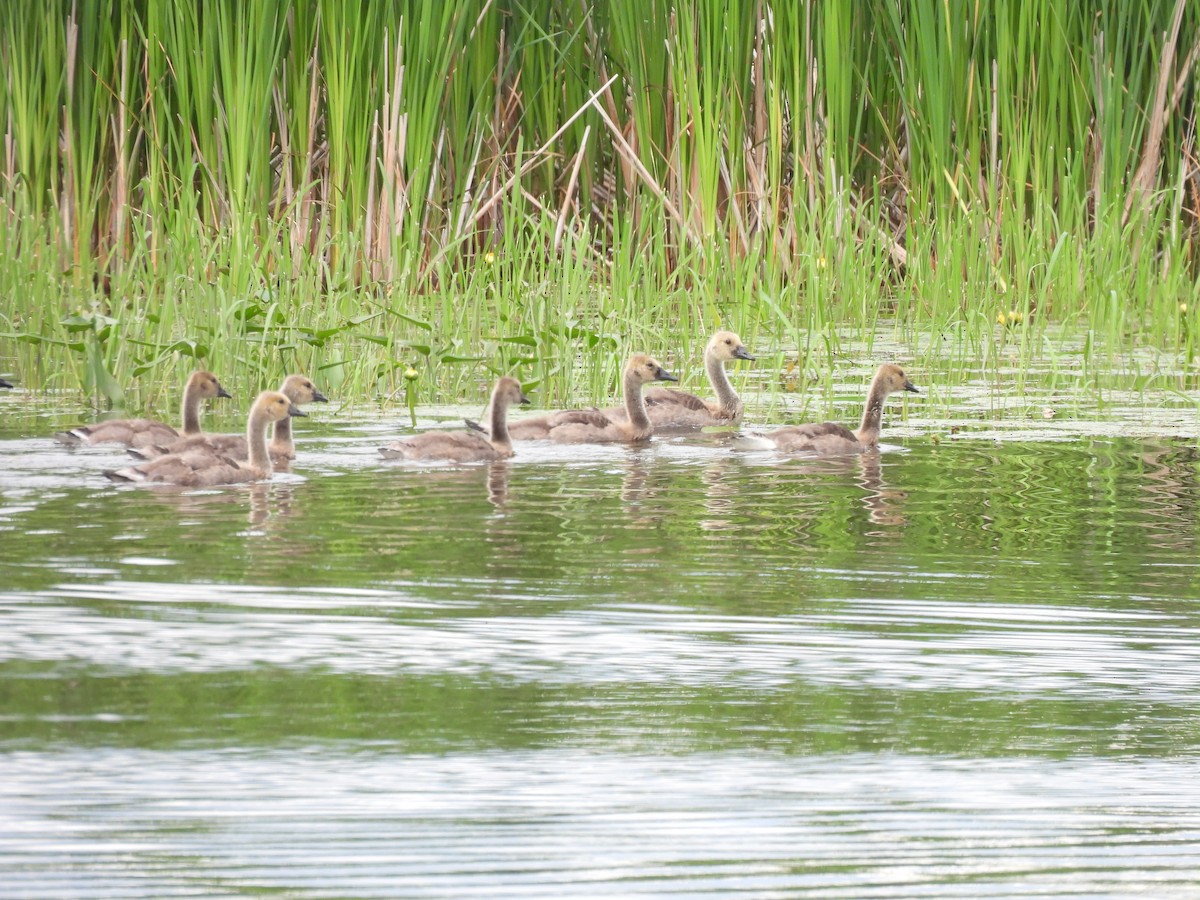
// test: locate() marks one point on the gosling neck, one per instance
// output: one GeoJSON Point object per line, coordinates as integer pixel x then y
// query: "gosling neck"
{"type": "Point", "coordinates": [868, 431]}
{"type": "Point", "coordinates": [191, 407]}
{"type": "Point", "coordinates": [281, 436]}
{"type": "Point", "coordinates": [635, 406]}
{"type": "Point", "coordinates": [727, 398]}
{"type": "Point", "coordinates": [498, 423]}
{"type": "Point", "coordinates": [256, 441]}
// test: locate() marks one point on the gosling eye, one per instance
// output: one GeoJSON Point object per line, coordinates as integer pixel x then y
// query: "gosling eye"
{"type": "Point", "coordinates": [728, 342]}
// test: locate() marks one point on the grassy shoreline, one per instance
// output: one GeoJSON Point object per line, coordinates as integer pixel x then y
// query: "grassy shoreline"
{"type": "Point", "coordinates": [539, 188]}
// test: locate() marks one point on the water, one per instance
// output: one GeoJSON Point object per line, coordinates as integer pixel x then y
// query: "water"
{"type": "Point", "coordinates": [965, 668]}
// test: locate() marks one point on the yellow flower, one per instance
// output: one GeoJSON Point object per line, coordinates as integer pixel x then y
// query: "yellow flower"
{"type": "Point", "coordinates": [820, 262]}
{"type": "Point", "coordinates": [410, 373]}
{"type": "Point", "coordinates": [489, 257]}
{"type": "Point", "coordinates": [1183, 307]}
{"type": "Point", "coordinates": [1010, 318]}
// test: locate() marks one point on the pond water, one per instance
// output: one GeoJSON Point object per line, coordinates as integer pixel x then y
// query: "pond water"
{"type": "Point", "coordinates": [966, 667]}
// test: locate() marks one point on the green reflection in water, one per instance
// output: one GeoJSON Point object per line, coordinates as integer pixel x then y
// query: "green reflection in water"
{"type": "Point", "coordinates": [957, 599]}
{"type": "Point", "coordinates": [424, 714]}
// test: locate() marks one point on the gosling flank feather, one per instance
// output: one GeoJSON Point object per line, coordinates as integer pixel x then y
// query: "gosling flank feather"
{"type": "Point", "coordinates": [465, 446]}
{"type": "Point", "coordinates": [202, 467]}
{"type": "Point", "coordinates": [200, 386]}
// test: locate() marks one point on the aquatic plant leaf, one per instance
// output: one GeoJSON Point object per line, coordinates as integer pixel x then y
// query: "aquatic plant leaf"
{"type": "Point", "coordinates": [191, 348]}
{"type": "Point", "coordinates": [35, 339]}
{"type": "Point", "coordinates": [412, 320]}
{"type": "Point", "coordinates": [101, 378]}
{"type": "Point", "coordinates": [423, 349]}
{"type": "Point", "coordinates": [87, 322]}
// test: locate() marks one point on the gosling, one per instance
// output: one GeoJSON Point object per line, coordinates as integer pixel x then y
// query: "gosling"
{"type": "Point", "coordinates": [203, 467]}
{"type": "Point", "coordinates": [679, 410]}
{"type": "Point", "coordinates": [593, 426]}
{"type": "Point", "coordinates": [297, 388]}
{"type": "Point", "coordinates": [465, 446]}
{"type": "Point", "coordinates": [200, 386]}
{"type": "Point", "coordinates": [833, 439]}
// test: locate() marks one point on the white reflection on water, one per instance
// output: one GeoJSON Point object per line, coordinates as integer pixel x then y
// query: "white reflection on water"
{"type": "Point", "coordinates": [324, 822]}
{"type": "Point", "coordinates": [993, 647]}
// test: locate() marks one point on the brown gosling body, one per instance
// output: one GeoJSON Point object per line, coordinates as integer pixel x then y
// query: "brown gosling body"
{"type": "Point", "coordinates": [200, 386]}
{"type": "Point", "coordinates": [597, 427]}
{"type": "Point", "coordinates": [832, 439]}
{"type": "Point", "coordinates": [670, 409]}
{"type": "Point", "coordinates": [465, 446]}
{"type": "Point", "coordinates": [297, 388]}
{"type": "Point", "coordinates": [202, 467]}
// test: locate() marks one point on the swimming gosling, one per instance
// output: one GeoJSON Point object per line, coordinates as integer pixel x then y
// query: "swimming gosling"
{"type": "Point", "coordinates": [670, 409]}
{"type": "Point", "coordinates": [202, 467]}
{"type": "Point", "coordinates": [465, 446]}
{"type": "Point", "coordinates": [832, 439]}
{"type": "Point", "coordinates": [200, 386]}
{"type": "Point", "coordinates": [593, 426]}
{"type": "Point", "coordinates": [297, 388]}
{"type": "Point", "coordinates": [549, 425]}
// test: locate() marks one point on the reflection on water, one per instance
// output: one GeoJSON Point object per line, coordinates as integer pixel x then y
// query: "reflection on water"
{"type": "Point", "coordinates": [319, 822]}
{"type": "Point", "coordinates": [884, 505]}
{"type": "Point", "coordinates": [262, 504]}
{"type": "Point", "coordinates": [967, 668]}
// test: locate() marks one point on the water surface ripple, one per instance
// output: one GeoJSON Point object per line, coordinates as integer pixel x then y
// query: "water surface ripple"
{"type": "Point", "coordinates": [958, 669]}
{"type": "Point", "coordinates": [326, 822]}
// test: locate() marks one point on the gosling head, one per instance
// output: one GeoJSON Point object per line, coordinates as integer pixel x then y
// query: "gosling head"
{"type": "Point", "coordinates": [207, 386]}
{"type": "Point", "coordinates": [509, 390]}
{"type": "Point", "coordinates": [646, 369]}
{"type": "Point", "coordinates": [725, 345]}
{"type": "Point", "coordinates": [300, 389]}
{"type": "Point", "coordinates": [892, 377]}
{"type": "Point", "coordinates": [274, 406]}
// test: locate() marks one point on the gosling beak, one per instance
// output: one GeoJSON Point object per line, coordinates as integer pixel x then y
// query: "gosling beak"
{"type": "Point", "coordinates": [318, 397]}
{"type": "Point", "coordinates": [909, 386]}
{"type": "Point", "coordinates": [524, 401]}
{"type": "Point", "coordinates": [294, 410]}
{"type": "Point", "coordinates": [742, 353]}
{"type": "Point", "coordinates": [663, 375]}
{"type": "Point", "coordinates": [221, 392]}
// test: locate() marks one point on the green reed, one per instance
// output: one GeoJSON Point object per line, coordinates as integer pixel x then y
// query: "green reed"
{"type": "Point", "coordinates": [459, 189]}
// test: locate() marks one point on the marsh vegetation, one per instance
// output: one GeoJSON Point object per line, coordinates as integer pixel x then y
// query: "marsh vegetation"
{"type": "Point", "coordinates": [470, 189]}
